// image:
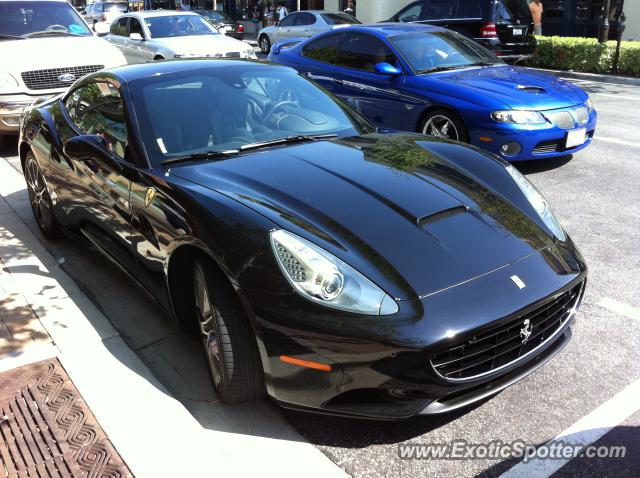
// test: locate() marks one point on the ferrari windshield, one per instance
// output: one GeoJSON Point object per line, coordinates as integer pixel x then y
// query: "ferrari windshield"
{"type": "Point", "coordinates": [35, 18]}
{"type": "Point", "coordinates": [179, 26]}
{"type": "Point", "coordinates": [235, 107]}
{"type": "Point", "coordinates": [441, 50]}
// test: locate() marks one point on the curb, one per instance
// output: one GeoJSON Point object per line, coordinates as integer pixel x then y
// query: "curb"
{"type": "Point", "coordinates": [601, 78]}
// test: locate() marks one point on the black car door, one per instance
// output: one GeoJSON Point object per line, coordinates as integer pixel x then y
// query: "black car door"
{"type": "Point", "coordinates": [93, 195]}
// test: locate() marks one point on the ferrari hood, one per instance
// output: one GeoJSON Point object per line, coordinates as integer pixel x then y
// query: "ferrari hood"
{"type": "Point", "coordinates": [394, 210]}
{"type": "Point", "coordinates": [517, 88]}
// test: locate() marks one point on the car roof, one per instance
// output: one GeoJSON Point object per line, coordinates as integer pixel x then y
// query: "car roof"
{"type": "Point", "coordinates": [392, 29]}
{"type": "Point", "coordinates": [139, 71]}
{"type": "Point", "coordinates": [161, 13]}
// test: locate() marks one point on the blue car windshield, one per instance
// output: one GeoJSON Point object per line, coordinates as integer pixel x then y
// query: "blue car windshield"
{"type": "Point", "coordinates": [434, 51]}
{"type": "Point", "coordinates": [220, 109]}
{"type": "Point", "coordinates": [179, 26]}
{"type": "Point", "coordinates": [39, 18]}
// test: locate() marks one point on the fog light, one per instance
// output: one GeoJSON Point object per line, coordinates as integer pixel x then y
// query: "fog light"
{"type": "Point", "coordinates": [510, 149]}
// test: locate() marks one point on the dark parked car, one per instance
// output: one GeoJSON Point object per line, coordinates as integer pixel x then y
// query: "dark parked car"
{"type": "Point", "coordinates": [334, 267]}
{"type": "Point", "coordinates": [503, 26]}
{"type": "Point", "coordinates": [223, 21]}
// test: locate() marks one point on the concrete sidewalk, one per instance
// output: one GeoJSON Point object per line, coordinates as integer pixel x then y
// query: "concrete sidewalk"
{"type": "Point", "coordinates": [45, 313]}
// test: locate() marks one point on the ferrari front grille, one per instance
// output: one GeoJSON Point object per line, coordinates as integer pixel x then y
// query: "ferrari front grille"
{"type": "Point", "coordinates": [489, 351]}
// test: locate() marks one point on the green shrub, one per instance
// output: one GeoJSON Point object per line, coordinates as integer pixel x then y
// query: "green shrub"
{"type": "Point", "coordinates": [585, 54]}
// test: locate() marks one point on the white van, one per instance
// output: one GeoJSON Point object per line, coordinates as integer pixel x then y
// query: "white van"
{"type": "Point", "coordinates": [44, 47]}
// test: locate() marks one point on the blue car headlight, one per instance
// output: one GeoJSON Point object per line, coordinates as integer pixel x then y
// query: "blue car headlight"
{"type": "Point", "coordinates": [518, 117]}
{"type": "Point", "coordinates": [589, 105]}
{"type": "Point", "coordinates": [323, 278]}
{"type": "Point", "coordinates": [538, 202]}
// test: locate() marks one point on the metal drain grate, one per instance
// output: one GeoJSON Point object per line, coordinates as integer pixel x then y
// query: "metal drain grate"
{"type": "Point", "coordinates": [46, 428]}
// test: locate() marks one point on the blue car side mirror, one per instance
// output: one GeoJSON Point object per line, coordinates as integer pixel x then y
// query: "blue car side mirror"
{"type": "Point", "coordinates": [384, 68]}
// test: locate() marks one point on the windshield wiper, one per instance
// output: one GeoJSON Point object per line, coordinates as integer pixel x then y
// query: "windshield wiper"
{"type": "Point", "coordinates": [51, 32]}
{"type": "Point", "coordinates": [4, 36]}
{"type": "Point", "coordinates": [198, 155]}
{"type": "Point", "coordinates": [287, 140]}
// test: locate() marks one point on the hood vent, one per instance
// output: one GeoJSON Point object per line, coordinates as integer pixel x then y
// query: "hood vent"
{"type": "Point", "coordinates": [531, 88]}
{"type": "Point", "coordinates": [436, 216]}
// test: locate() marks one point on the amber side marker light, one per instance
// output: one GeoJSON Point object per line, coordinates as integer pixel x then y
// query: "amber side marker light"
{"type": "Point", "coordinates": [305, 363]}
{"type": "Point", "coordinates": [486, 139]}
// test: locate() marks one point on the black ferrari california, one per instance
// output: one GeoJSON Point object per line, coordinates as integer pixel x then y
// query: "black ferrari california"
{"type": "Point", "coordinates": [330, 265]}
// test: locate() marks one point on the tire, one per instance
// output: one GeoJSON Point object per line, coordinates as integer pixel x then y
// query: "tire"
{"type": "Point", "coordinates": [265, 44]}
{"type": "Point", "coordinates": [39, 198]}
{"type": "Point", "coordinates": [229, 343]}
{"type": "Point", "coordinates": [435, 121]}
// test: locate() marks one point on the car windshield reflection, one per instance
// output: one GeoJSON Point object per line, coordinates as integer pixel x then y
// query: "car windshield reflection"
{"type": "Point", "coordinates": [236, 108]}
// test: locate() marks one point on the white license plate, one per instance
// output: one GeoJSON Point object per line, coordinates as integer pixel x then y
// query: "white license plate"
{"type": "Point", "coordinates": [576, 137]}
{"type": "Point", "coordinates": [518, 31]}
{"type": "Point", "coordinates": [223, 30]}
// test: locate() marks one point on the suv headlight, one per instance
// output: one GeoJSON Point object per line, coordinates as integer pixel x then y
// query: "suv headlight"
{"type": "Point", "coordinates": [323, 278]}
{"type": "Point", "coordinates": [8, 82]}
{"type": "Point", "coordinates": [518, 117]}
{"type": "Point", "coordinates": [538, 202]}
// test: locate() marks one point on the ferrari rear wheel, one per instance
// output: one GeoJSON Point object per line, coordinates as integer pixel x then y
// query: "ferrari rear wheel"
{"type": "Point", "coordinates": [444, 124]}
{"type": "Point", "coordinates": [39, 198]}
{"type": "Point", "coordinates": [229, 343]}
{"type": "Point", "coordinates": [265, 44]}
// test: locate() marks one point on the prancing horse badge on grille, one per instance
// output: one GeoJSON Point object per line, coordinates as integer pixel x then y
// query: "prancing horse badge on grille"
{"type": "Point", "coordinates": [517, 281]}
{"type": "Point", "coordinates": [525, 331]}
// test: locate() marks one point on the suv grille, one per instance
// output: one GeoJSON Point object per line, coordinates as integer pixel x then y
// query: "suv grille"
{"type": "Point", "coordinates": [48, 79]}
{"type": "Point", "coordinates": [503, 345]}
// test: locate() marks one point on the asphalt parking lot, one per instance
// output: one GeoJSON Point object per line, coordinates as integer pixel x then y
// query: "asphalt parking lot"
{"type": "Point", "coordinates": [595, 194]}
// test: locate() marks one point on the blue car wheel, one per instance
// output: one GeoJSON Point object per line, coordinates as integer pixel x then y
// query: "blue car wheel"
{"type": "Point", "coordinates": [444, 124]}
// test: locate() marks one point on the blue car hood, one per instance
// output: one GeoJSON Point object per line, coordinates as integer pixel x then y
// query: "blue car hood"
{"type": "Point", "coordinates": [517, 88]}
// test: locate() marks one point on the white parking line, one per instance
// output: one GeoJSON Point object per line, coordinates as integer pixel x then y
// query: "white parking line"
{"type": "Point", "coordinates": [618, 97]}
{"type": "Point", "coordinates": [617, 141]}
{"type": "Point", "coordinates": [585, 431]}
{"type": "Point", "coordinates": [620, 308]}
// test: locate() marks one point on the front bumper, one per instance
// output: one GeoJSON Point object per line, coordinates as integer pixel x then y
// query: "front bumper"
{"type": "Point", "coordinates": [536, 141]}
{"type": "Point", "coordinates": [11, 109]}
{"type": "Point", "coordinates": [380, 366]}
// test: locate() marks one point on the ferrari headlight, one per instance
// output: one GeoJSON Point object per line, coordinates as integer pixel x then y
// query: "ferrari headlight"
{"type": "Point", "coordinates": [538, 202]}
{"type": "Point", "coordinates": [325, 279]}
{"type": "Point", "coordinates": [8, 82]}
{"type": "Point", "coordinates": [518, 117]}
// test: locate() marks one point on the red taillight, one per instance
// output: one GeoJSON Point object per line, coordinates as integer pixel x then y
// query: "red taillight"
{"type": "Point", "coordinates": [240, 29]}
{"type": "Point", "coordinates": [488, 30]}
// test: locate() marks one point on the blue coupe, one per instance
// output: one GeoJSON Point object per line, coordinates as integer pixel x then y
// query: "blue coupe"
{"type": "Point", "coordinates": [438, 82]}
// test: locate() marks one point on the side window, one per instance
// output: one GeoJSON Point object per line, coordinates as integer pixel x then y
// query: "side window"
{"type": "Point", "coordinates": [289, 20]}
{"type": "Point", "coordinates": [305, 19]}
{"type": "Point", "coordinates": [411, 13]}
{"type": "Point", "coordinates": [438, 9]}
{"type": "Point", "coordinates": [120, 27]}
{"type": "Point", "coordinates": [97, 108]}
{"type": "Point", "coordinates": [136, 27]}
{"type": "Point", "coordinates": [468, 9]}
{"type": "Point", "coordinates": [363, 52]}
{"type": "Point", "coordinates": [324, 49]}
